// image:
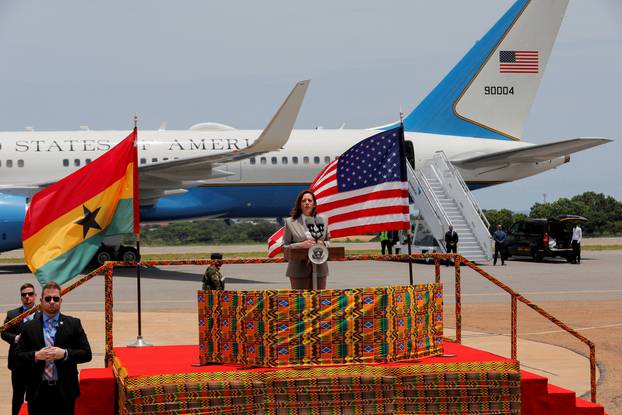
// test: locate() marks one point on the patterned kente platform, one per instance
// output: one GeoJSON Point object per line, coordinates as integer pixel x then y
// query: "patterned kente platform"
{"type": "Point", "coordinates": [277, 328]}
{"type": "Point", "coordinates": [153, 381]}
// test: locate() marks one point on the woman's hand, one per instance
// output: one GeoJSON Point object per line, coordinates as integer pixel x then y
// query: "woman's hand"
{"type": "Point", "coordinates": [307, 243]}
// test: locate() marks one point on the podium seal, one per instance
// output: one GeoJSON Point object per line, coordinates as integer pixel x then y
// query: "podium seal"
{"type": "Point", "coordinates": [318, 254]}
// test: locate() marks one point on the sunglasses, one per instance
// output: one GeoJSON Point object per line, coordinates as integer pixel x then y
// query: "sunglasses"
{"type": "Point", "coordinates": [28, 294]}
{"type": "Point", "coordinates": [50, 298]}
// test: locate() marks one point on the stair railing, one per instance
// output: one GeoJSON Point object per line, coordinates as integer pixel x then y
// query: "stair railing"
{"type": "Point", "coordinates": [464, 186]}
{"type": "Point", "coordinates": [429, 206]}
{"type": "Point", "coordinates": [456, 188]}
{"type": "Point", "coordinates": [515, 298]}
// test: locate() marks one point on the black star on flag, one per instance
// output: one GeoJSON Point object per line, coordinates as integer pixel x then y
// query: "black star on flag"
{"type": "Point", "coordinates": [88, 221]}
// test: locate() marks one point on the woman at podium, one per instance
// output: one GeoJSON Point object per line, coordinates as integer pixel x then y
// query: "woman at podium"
{"type": "Point", "coordinates": [302, 229]}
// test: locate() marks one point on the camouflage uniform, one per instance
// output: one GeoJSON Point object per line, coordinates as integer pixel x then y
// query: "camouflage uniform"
{"type": "Point", "coordinates": [212, 279]}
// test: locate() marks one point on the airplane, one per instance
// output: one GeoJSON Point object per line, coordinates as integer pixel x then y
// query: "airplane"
{"type": "Point", "coordinates": [475, 115]}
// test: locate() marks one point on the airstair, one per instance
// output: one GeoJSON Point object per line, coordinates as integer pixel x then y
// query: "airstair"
{"type": "Point", "coordinates": [442, 199]}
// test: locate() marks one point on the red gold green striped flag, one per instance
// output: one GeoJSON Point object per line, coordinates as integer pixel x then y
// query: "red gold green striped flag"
{"type": "Point", "coordinates": [66, 222]}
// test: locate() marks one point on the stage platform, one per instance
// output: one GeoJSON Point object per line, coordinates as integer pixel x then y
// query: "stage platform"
{"type": "Point", "coordinates": [164, 380]}
{"type": "Point", "coordinates": [169, 367]}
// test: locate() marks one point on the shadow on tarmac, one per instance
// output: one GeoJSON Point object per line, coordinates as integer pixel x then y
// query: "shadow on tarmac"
{"type": "Point", "coordinates": [14, 269]}
{"type": "Point", "coordinates": [544, 260]}
{"type": "Point", "coordinates": [159, 274]}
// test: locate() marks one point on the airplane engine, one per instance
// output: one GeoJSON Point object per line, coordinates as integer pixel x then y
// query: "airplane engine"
{"type": "Point", "coordinates": [12, 213]}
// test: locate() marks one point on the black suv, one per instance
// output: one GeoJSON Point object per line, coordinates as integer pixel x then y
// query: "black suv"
{"type": "Point", "coordinates": [541, 238]}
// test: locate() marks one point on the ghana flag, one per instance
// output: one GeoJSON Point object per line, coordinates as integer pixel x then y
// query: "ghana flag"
{"type": "Point", "coordinates": [66, 222]}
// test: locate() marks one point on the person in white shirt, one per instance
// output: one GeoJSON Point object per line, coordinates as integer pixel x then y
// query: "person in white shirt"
{"type": "Point", "coordinates": [577, 235]}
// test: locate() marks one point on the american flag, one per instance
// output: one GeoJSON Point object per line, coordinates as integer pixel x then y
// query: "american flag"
{"type": "Point", "coordinates": [362, 191]}
{"type": "Point", "coordinates": [275, 243]}
{"type": "Point", "coordinates": [518, 61]}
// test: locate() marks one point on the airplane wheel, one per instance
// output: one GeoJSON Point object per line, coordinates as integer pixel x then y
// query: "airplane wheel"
{"type": "Point", "coordinates": [128, 254]}
{"type": "Point", "coordinates": [102, 256]}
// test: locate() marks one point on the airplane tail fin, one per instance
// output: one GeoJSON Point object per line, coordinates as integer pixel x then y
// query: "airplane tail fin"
{"type": "Point", "coordinates": [490, 91]}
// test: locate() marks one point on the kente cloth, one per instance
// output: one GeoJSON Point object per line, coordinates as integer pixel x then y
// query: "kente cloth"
{"type": "Point", "coordinates": [491, 387]}
{"type": "Point", "coordinates": [276, 328]}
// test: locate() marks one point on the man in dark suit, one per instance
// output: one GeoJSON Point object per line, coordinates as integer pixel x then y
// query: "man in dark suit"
{"type": "Point", "coordinates": [49, 348]}
{"type": "Point", "coordinates": [451, 242]}
{"type": "Point", "coordinates": [11, 336]}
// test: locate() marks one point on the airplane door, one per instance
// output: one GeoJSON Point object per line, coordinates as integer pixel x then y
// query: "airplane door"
{"type": "Point", "coordinates": [236, 169]}
{"type": "Point", "coordinates": [409, 149]}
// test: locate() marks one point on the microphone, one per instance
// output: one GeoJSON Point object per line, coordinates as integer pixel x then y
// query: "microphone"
{"type": "Point", "coordinates": [315, 229]}
{"type": "Point", "coordinates": [309, 222]}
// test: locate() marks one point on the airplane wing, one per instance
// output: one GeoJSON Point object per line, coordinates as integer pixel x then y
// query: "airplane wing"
{"type": "Point", "coordinates": [531, 154]}
{"type": "Point", "coordinates": [175, 175]}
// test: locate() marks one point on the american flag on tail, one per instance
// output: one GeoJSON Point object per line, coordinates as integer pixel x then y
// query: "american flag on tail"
{"type": "Point", "coordinates": [362, 191]}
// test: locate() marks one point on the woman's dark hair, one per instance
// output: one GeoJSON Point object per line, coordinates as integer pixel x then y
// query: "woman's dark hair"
{"type": "Point", "coordinates": [296, 210]}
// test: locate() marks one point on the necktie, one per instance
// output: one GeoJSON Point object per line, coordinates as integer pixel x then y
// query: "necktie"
{"type": "Point", "coordinates": [49, 372]}
{"type": "Point", "coordinates": [30, 317]}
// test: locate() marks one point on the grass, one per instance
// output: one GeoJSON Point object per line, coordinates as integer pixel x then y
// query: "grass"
{"type": "Point", "coordinates": [204, 255]}
{"type": "Point", "coordinates": [262, 254]}
{"type": "Point", "coordinates": [601, 247]}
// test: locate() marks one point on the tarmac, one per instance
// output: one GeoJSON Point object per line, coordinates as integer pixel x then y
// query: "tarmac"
{"type": "Point", "coordinates": [169, 307]}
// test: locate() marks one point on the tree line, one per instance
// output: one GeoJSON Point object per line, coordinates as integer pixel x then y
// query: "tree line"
{"type": "Point", "coordinates": [210, 231]}
{"type": "Point", "coordinates": [604, 213]}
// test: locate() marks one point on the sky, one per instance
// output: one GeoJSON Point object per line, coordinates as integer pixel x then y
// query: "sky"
{"type": "Point", "coordinates": [72, 63]}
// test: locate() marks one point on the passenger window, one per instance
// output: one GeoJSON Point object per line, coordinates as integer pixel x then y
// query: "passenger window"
{"type": "Point", "coordinates": [273, 160]}
{"type": "Point", "coordinates": [252, 160]}
{"type": "Point", "coordinates": [20, 163]}
{"type": "Point", "coordinates": [284, 160]}
{"type": "Point", "coordinates": [9, 163]}
{"type": "Point", "coordinates": [295, 159]}
{"type": "Point", "coordinates": [305, 160]}
{"type": "Point", "coordinates": [65, 162]}
{"type": "Point", "coordinates": [327, 159]}
{"type": "Point", "coordinates": [87, 161]}
{"type": "Point", "coordinates": [76, 162]}
{"type": "Point", "coordinates": [263, 160]}
{"type": "Point", "coordinates": [316, 159]}
{"type": "Point", "coordinates": [154, 160]}
{"type": "Point", "coordinates": [165, 158]}
{"type": "Point", "coordinates": [143, 160]}
{"type": "Point", "coordinates": [514, 228]}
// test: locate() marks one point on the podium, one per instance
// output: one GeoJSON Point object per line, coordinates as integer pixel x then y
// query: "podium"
{"type": "Point", "coordinates": [302, 254]}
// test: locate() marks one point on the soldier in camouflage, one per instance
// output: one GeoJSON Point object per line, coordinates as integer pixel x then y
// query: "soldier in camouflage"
{"type": "Point", "coordinates": [213, 279]}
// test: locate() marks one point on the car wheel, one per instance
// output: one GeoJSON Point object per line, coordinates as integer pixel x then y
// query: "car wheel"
{"type": "Point", "coordinates": [536, 255]}
{"type": "Point", "coordinates": [102, 256]}
{"type": "Point", "coordinates": [128, 254]}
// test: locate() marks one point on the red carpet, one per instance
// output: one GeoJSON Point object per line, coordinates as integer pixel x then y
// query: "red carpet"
{"type": "Point", "coordinates": [538, 397]}
{"type": "Point", "coordinates": [163, 360]}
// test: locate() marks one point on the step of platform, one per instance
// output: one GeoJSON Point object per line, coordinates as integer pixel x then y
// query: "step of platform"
{"type": "Point", "coordinates": [553, 400]}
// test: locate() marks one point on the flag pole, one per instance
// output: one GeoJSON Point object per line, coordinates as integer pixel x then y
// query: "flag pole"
{"type": "Point", "coordinates": [140, 342]}
{"type": "Point", "coordinates": [408, 235]}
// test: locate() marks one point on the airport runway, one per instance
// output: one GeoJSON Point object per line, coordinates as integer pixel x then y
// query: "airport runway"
{"type": "Point", "coordinates": [597, 278]}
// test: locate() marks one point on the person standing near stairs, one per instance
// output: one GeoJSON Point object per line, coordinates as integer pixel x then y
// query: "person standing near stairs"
{"type": "Point", "coordinates": [500, 237]}
{"type": "Point", "coordinates": [451, 242]}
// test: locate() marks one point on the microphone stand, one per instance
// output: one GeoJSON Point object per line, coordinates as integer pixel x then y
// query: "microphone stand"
{"type": "Point", "coordinates": [316, 232]}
